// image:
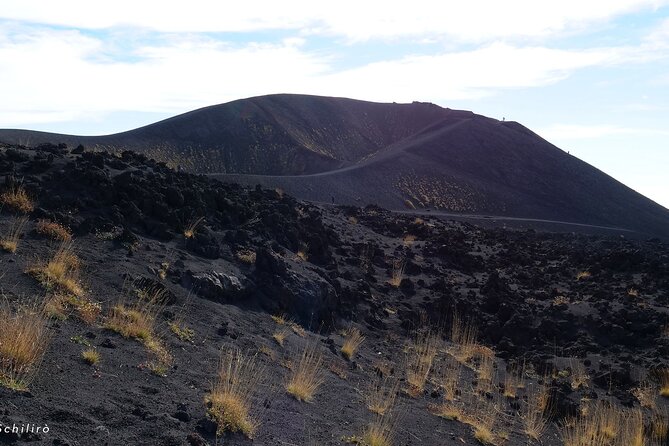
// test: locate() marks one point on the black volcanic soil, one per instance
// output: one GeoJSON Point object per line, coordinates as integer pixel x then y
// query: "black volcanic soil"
{"type": "Point", "coordinates": [397, 156]}
{"type": "Point", "coordinates": [128, 215]}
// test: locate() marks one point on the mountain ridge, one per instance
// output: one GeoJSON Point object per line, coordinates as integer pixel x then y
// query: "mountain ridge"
{"type": "Point", "coordinates": [416, 155]}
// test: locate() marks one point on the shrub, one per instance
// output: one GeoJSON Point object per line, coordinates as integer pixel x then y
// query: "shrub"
{"type": "Point", "coordinates": [230, 400]}
{"type": "Point", "coordinates": [306, 376]}
{"type": "Point", "coordinates": [24, 337]}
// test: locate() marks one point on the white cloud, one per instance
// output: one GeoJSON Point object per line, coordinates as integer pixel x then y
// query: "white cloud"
{"type": "Point", "coordinates": [467, 74]}
{"type": "Point", "coordinates": [473, 20]}
{"type": "Point", "coordinates": [49, 75]}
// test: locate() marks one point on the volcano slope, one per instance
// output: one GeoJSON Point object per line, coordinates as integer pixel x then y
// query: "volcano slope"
{"type": "Point", "coordinates": [396, 156]}
{"type": "Point", "coordinates": [464, 335]}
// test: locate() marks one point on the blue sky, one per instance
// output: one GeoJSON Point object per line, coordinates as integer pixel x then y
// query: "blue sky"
{"type": "Point", "coordinates": [591, 77]}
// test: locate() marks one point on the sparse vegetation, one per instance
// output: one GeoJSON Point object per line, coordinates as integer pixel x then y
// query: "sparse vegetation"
{"type": "Point", "coordinates": [578, 375]}
{"type": "Point", "coordinates": [181, 331]}
{"type": "Point", "coordinates": [10, 242]}
{"type": "Point", "coordinates": [60, 273]}
{"type": "Point", "coordinates": [352, 342]}
{"type": "Point", "coordinates": [535, 412]}
{"type": "Point", "coordinates": [138, 321]}
{"type": "Point", "coordinates": [381, 395]}
{"type": "Point", "coordinates": [463, 336]}
{"type": "Point", "coordinates": [303, 252]}
{"type": "Point", "coordinates": [191, 228]}
{"type": "Point", "coordinates": [397, 273]}
{"type": "Point", "coordinates": [17, 199]}
{"type": "Point", "coordinates": [280, 336]}
{"type": "Point", "coordinates": [306, 376]}
{"type": "Point", "coordinates": [231, 398]}
{"type": "Point", "coordinates": [246, 256]}
{"type": "Point", "coordinates": [24, 337]}
{"type": "Point", "coordinates": [663, 376]}
{"type": "Point", "coordinates": [420, 358]}
{"type": "Point", "coordinates": [53, 230]}
{"type": "Point", "coordinates": [91, 356]}
{"type": "Point", "coordinates": [607, 425]}
{"type": "Point", "coordinates": [379, 432]}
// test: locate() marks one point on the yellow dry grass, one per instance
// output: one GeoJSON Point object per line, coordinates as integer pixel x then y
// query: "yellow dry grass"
{"type": "Point", "coordinates": [380, 397]}
{"type": "Point", "coordinates": [397, 273]}
{"type": "Point", "coordinates": [608, 425]}
{"type": "Point", "coordinates": [380, 432]}
{"type": "Point", "coordinates": [10, 242]}
{"type": "Point", "coordinates": [17, 199]}
{"type": "Point", "coordinates": [420, 358]}
{"type": "Point", "coordinates": [280, 336]}
{"type": "Point", "coordinates": [231, 398]}
{"type": "Point", "coordinates": [464, 338]}
{"type": "Point", "coordinates": [24, 337]}
{"type": "Point", "coordinates": [191, 228]}
{"type": "Point", "coordinates": [306, 376]}
{"type": "Point", "coordinates": [139, 321]}
{"type": "Point", "coordinates": [60, 272]}
{"type": "Point", "coordinates": [352, 342]}
{"type": "Point", "coordinates": [91, 356]}
{"type": "Point", "coordinates": [53, 230]}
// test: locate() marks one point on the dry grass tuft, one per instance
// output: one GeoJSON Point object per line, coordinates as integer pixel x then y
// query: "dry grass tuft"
{"type": "Point", "coordinates": [60, 272]}
{"type": "Point", "coordinates": [91, 356]}
{"type": "Point", "coordinates": [578, 376]}
{"type": "Point", "coordinates": [352, 342]}
{"type": "Point", "coordinates": [663, 376]}
{"type": "Point", "coordinates": [181, 331]}
{"type": "Point", "coordinates": [379, 432]}
{"type": "Point", "coordinates": [463, 336]}
{"type": "Point", "coordinates": [10, 242]}
{"type": "Point", "coordinates": [280, 336]}
{"type": "Point", "coordinates": [17, 199]}
{"type": "Point", "coordinates": [24, 337]}
{"type": "Point", "coordinates": [280, 319]}
{"type": "Point", "coordinates": [420, 359]}
{"type": "Point", "coordinates": [53, 230]}
{"type": "Point", "coordinates": [534, 413]}
{"type": "Point", "coordinates": [231, 398]}
{"type": "Point", "coordinates": [646, 393]}
{"type": "Point", "coordinates": [303, 252]}
{"type": "Point", "coordinates": [246, 256]}
{"type": "Point", "coordinates": [514, 380]}
{"type": "Point", "coordinates": [306, 377]}
{"type": "Point", "coordinates": [381, 396]}
{"type": "Point", "coordinates": [449, 378]}
{"type": "Point", "coordinates": [397, 273]}
{"type": "Point", "coordinates": [139, 321]}
{"type": "Point", "coordinates": [190, 230]}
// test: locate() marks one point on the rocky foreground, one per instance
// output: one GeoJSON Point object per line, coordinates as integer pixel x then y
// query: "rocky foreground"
{"type": "Point", "coordinates": [135, 283]}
